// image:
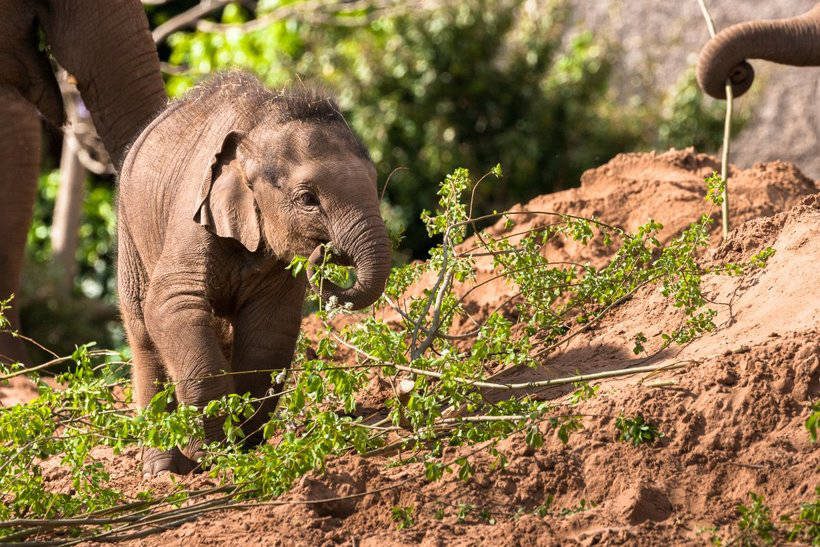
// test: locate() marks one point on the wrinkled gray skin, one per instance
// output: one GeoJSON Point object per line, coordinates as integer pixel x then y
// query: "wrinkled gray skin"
{"type": "Point", "coordinates": [217, 195]}
{"type": "Point", "coordinates": [794, 41]}
{"type": "Point", "coordinates": [107, 47]}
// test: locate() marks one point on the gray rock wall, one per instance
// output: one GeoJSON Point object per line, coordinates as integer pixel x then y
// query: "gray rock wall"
{"type": "Point", "coordinates": [660, 39]}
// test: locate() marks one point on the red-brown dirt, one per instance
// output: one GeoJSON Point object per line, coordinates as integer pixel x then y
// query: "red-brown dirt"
{"type": "Point", "coordinates": [732, 418]}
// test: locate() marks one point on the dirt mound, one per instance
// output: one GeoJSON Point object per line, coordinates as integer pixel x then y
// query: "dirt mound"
{"type": "Point", "coordinates": [626, 192]}
{"type": "Point", "coordinates": [731, 420]}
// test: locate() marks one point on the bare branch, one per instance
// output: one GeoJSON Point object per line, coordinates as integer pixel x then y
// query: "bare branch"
{"type": "Point", "coordinates": [518, 386]}
{"type": "Point", "coordinates": [187, 18]}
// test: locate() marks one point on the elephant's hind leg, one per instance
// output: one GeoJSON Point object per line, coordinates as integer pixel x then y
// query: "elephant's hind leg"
{"type": "Point", "coordinates": [148, 376]}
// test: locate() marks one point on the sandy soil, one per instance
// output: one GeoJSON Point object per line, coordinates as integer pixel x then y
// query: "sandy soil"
{"type": "Point", "coordinates": [732, 419]}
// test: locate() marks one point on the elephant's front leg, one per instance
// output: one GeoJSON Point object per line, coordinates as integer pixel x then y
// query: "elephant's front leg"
{"type": "Point", "coordinates": [265, 333]}
{"type": "Point", "coordinates": [181, 324]}
{"type": "Point", "coordinates": [148, 375]}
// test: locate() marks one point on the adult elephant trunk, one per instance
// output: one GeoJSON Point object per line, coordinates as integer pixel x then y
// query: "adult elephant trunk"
{"type": "Point", "coordinates": [108, 47]}
{"type": "Point", "coordinates": [363, 244]}
{"type": "Point", "coordinates": [794, 41]}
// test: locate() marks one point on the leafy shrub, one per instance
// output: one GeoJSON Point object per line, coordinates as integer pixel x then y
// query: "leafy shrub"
{"type": "Point", "coordinates": [805, 525]}
{"type": "Point", "coordinates": [403, 516]}
{"type": "Point", "coordinates": [636, 430]}
{"type": "Point", "coordinates": [813, 420]}
{"type": "Point", "coordinates": [315, 419]}
{"type": "Point", "coordinates": [755, 521]}
{"type": "Point", "coordinates": [95, 251]}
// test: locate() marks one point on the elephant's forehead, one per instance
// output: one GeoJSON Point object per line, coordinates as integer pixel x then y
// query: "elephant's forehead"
{"type": "Point", "coordinates": [348, 167]}
{"type": "Point", "coordinates": [301, 140]}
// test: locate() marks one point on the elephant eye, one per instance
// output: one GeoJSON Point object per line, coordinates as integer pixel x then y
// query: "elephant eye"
{"type": "Point", "coordinates": [307, 199]}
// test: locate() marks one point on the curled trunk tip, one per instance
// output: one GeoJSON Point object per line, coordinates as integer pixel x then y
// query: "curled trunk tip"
{"type": "Point", "coordinates": [370, 258]}
{"type": "Point", "coordinates": [794, 41]}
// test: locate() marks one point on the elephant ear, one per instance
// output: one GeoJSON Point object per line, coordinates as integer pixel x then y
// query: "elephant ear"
{"type": "Point", "coordinates": [226, 206]}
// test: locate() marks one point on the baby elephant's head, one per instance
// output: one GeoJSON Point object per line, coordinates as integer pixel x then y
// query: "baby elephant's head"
{"type": "Point", "coordinates": [294, 179]}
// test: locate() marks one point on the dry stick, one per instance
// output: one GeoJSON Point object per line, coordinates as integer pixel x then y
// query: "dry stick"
{"type": "Point", "coordinates": [38, 367]}
{"type": "Point", "coordinates": [187, 18]}
{"type": "Point", "coordinates": [727, 130]}
{"type": "Point", "coordinates": [191, 513]}
{"type": "Point", "coordinates": [16, 334]}
{"type": "Point", "coordinates": [158, 518]}
{"type": "Point", "coordinates": [524, 385]}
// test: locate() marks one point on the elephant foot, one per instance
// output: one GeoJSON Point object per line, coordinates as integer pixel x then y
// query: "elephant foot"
{"type": "Point", "coordinates": [156, 461]}
{"type": "Point", "coordinates": [193, 453]}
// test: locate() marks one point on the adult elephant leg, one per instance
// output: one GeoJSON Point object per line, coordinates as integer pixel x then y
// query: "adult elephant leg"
{"type": "Point", "coordinates": [108, 47]}
{"type": "Point", "coordinates": [265, 333]}
{"type": "Point", "coordinates": [19, 167]}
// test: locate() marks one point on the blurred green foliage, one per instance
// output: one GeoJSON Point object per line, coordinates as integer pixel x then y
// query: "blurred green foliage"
{"type": "Point", "coordinates": [95, 268]}
{"type": "Point", "coordinates": [689, 118]}
{"type": "Point", "coordinates": [58, 320]}
{"type": "Point", "coordinates": [467, 84]}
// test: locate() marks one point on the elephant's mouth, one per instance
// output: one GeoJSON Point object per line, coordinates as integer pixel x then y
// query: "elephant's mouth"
{"type": "Point", "coordinates": [364, 252]}
{"type": "Point", "coordinates": [337, 256]}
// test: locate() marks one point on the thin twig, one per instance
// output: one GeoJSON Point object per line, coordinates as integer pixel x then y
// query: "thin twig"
{"type": "Point", "coordinates": [187, 18]}
{"type": "Point", "coordinates": [727, 130]}
{"type": "Point", "coordinates": [56, 361]}
{"type": "Point", "coordinates": [390, 176]}
{"type": "Point", "coordinates": [47, 364]}
{"type": "Point", "coordinates": [517, 386]}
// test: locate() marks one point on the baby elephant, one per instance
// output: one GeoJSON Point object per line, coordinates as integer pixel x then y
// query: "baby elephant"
{"type": "Point", "coordinates": [216, 196]}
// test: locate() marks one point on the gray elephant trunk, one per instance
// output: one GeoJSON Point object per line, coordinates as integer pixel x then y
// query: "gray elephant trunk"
{"type": "Point", "coordinates": [794, 41]}
{"type": "Point", "coordinates": [364, 245]}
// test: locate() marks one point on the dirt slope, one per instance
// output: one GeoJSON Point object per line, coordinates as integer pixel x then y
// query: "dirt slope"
{"type": "Point", "coordinates": [626, 192]}
{"type": "Point", "coordinates": [732, 420]}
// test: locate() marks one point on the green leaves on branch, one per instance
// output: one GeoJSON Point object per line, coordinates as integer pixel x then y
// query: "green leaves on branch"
{"type": "Point", "coordinates": [428, 370]}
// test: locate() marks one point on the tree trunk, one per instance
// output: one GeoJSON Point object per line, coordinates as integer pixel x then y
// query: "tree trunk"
{"type": "Point", "coordinates": [68, 210]}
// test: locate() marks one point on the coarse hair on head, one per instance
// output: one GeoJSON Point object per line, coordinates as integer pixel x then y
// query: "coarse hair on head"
{"type": "Point", "coordinates": [296, 103]}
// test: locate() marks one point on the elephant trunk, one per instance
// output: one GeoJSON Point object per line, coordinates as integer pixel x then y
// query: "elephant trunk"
{"type": "Point", "coordinates": [367, 249]}
{"type": "Point", "coordinates": [794, 41]}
